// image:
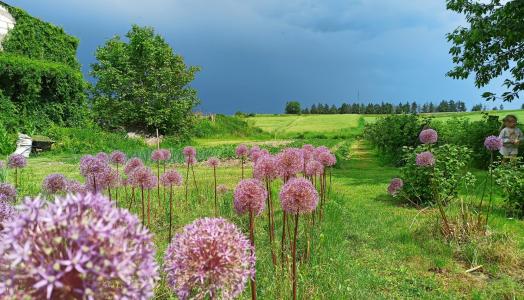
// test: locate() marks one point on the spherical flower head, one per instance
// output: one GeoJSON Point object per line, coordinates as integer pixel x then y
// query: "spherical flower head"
{"type": "Point", "coordinates": [75, 187]}
{"type": "Point", "coordinates": [298, 195]}
{"type": "Point", "coordinates": [213, 162]}
{"type": "Point", "coordinates": [191, 160]}
{"type": "Point", "coordinates": [54, 183]}
{"type": "Point", "coordinates": [327, 159]}
{"type": "Point", "coordinates": [133, 164]}
{"type": "Point", "coordinates": [161, 155]}
{"type": "Point", "coordinates": [76, 247]}
{"type": "Point", "coordinates": [255, 149]}
{"type": "Point", "coordinates": [189, 151]}
{"type": "Point", "coordinates": [109, 178]}
{"type": "Point", "coordinates": [118, 157]}
{"type": "Point", "coordinates": [222, 189]}
{"type": "Point", "coordinates": [290, 162]}
{"type": "Point", "coordinates": [255, 156]}
{"type": "Point", "coordinates": [250, 196]}
{"type": "Point", "coordinates": [7, 213]}
{"type": "Point", "coordinates": [395, 186]}
{"type": "Point", "coordinates": [91, 166]}
{"type": "Point", "coordinates": [428, 136]}
{"type": "Point", "coordinates": [143, 178]}
{"type": "Point", "coordinates": [209, 259]}
{"type": "Point", "coordinates": [266, 168]}
{"type": "Point", "coordinates": [242, 151]}
{"type": "Point", "coordinates": [102, 156]}
{"type": "Point", "coordinates": [314, 168]}
{"type": "Point", "coordinates": [493, 143]}
{"type": "Point", "coordinates": [319, 150]}
{"type": "Point", "coordinates": [425, 159]}
{"type": "Point", "coordinates": [7, 192]}
{"type": "Point", "coordinates": [16, 161]}
{"type": "Point", "coordinates": [307, 152]}
{"type": "Point", "coordinates": [171, 178]}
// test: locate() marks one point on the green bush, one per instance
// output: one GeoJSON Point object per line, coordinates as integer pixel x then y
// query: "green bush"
{"type": "Point", "coordinates": [510, 177]}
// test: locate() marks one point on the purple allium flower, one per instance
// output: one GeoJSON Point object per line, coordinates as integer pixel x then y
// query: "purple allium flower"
{"type": "Point", "coordinates": [77, 247]}
{"type": "Point", "coordinates": [171, 178]}
{"type": "Point", "coordinates": [298, 195]}
{"type": "Point", "coordinates": [7, 192]}
{"type": "Point", "coordinates": [75, 187]}
{"type": "Point", "coordinates": [266, 168]}
{"type": "Point", "coordinates": [161, 155]}
{"type": "Point", "coordinates": [314, 168]}
{"type": "Point", "coordinates": [7, 213]}
{"type": "Point", "coordinates": [102, 156]}
{"type": "Point", "coordinates": [144, 178]}
{"type": "Point", "coordinates": [91, 166]}
{"type": "Point", "coordinates": [319, 150]}
{"type": "Point", "coordinates": [222, 189]}
{"type": "Point", "coordinates": [210, 258]}
{"type": "Point", "coordinates": [109, 178]}
{"type": "Point", "coordinates": [493, 143]}
{"type": "Point", "coordinates": [191, 160]}
{"type": "Point", "coordinates": [290, 162]}
{"type": "Point", "coordinates": [253, 151]}
{"type": "Point", "coordinates": [425, 159]}
{"type": "Point", "coordinates": [132, 164]}
{"type": "Point", "coordinates": [395, 186]}
{"type": "Point", "coordinates": [250, 195]}
{"type": "Point", "coordinates": [213, 162]}
{"type": "Point", "coordinates": [118, 157]}
{"type": "Point", "coordinates": [327, 159]}
{"type": "Point", "coordinates": [242, 151]}
{"type": "Point", "coordinates": [54, 183]}
{"type": "Point", "coordinates": [428, 136]}
{"type": "Point", "coordinates": [189, 151]}
{"type": "Point", "coordinates": [17, 161]}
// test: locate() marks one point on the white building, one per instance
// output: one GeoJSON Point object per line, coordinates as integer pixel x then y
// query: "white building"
{"type": "Point", "coordinates": [7, 22]}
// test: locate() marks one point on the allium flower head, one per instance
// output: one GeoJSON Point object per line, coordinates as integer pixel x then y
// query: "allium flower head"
{"type": "Point", "coordinates": [133, 164]}
{"type": "Point", "coordinates": [319, 150]}
{"type": "Point", "coordinates": [298, 195]}
{"type": "Point", "coordinates": [253, 151]}
{"type": "Point", "coordinates": [308, 152]}
{"type": "Point", "coordinates": [314, 168]}
{"type": "Point", "coordinates": [103, 156]}
{"type": "Point", "coordinates": [91, 166]}
{"type": "Point", "coordinates": [7, 213]}
{"type": "Point", "coordinates": [395, 186]}
{"type": "Point", "coordinates": [189, 151]}
{"type": "Point", "coordinates": [144, 178]}
{"type": "Point", "coordinates": [75, 187]}
{"type": "Point", "coordinates": [118, 157]}
{"type": "Point", "coordinates": [222, 189]}
{"type": "Point", "coordinates": [210, 258]}
{"type": "Point", "coordinates": [493, 143]}
{"type": "Point", "coordinates": [7, 192]}
{"type": "Point", "coordinates": [77, 247]}
{"type": "Point", "coordinates": [250, 195]}
{"type": "Point", "coordinates": [16, 161]}
{"type": "Point", "coordinates": [213, 162]}
{"type": "Point", "coordinates": [327, 159]}
{"type": "Point", "coordinates": [191, 160]}
{"type": "Point", "coordinates": [266, 168]}
{"type": "Point", "coordinates": [242, 151]}
{"type": "Point", "coordinates": [425, 159]}
{"type": "Point", "coordinates": [171, 178]}
{"type": "Point", "coordinates": [109, 178]}
{"type": "Point", "coordinates": [290, 162]}
{"type": "Point", "coordinates": [161, 155]}
{"type": "Point", "coordinates": [54, 183]}
{"type": "Point", "coordinates": [428, 136]}
{"type": "Point", "coordinates": [256, 155]}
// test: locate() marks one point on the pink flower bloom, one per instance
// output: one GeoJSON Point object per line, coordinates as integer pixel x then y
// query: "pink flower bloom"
{"type": "Point", "coordinates": [171, 178]}
{"type": "Point", "coordinates": [54, 183]}
{"type": "Point", "coordinates": [109, 178]}
{"type": "Point", "coordinates": [290, 162]}
{"type": "Point", "coordinates": [75, 187]}
{"type": "Point", "coordinates": [314, 168]}
{"type": "Point", "coordinates": [428, 136]}
{"type": "Point", "coordinates": [213, 162]}
{"type": "Point", "coordinates": [103, 157]}
{"type": "Point", "coordinates": [242, 151]}
{"type": "Point", "coordinates": [319, 150]}
{"type": "Point", "coordinates": [7, 213]}
{"type": "Point", "coordinates": [79, 246]}
{"type": "Point", "coordinates": [191, 160]}
{"type": "Point", "coordinates": [327, 159]}
{"type": "Point", "coordinates": [143, 178]}
{"type": "Point", "coordinates": [7, 192]}
{"type": "Point", "coordinates": [298, 195]}
{"type": "Point", "coordinates": [91, 166]}
{"type": "Point", "coordinates": [266, 168]}
{"type": "Point", "coordinates": [118, 157]}
{"type": "Point", "coordinates": [250, 195]}
{"type": "Point", "coordinates": [493, 143]}
{"type": "Point", "coordinates": [189, 151]}
{"type": "Point", "coordinates": [133, 164]}
{"type": "Point", "coordinates": [161, 155]}
{"type": "Point", "coordinates": [395, 186]}
{"type": "Point", "coordinates": [209, 259]}
{"type": "Point", "coordinates": [16, 161]}
{"type": "Point", "coordinates": [253, 151]}
{"type": "Point", "coordinates": [425, 159]}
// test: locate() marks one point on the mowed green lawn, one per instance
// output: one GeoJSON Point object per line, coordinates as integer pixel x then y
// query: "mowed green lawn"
{"type": "Point", "coordinates": [283, 124]}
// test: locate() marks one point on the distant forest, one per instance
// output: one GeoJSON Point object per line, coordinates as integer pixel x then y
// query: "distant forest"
{"type": "Point", "coordinates": [294, 107]}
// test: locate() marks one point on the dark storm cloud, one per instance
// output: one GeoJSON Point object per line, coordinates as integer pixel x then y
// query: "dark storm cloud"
{"type": "Point", "coordinates": [256, 55]}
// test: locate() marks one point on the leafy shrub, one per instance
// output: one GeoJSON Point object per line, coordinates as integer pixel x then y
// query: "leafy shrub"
{"type": "Point", "coordinates": [7, 140]}
{"type": "Point", "coordinates": [510, 177]}
{"type": "Point", "coordinates": [225, 126]}
{"type": "Point", "coordinates": [439, 183]}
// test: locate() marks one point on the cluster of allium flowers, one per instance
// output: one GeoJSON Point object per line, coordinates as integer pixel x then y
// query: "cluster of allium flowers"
{"type": "Point", "coordinates": [75, 187]}
{"type": "Point", "coordinates": [133, 164]}
{"type": "Point", "coordinates": [79, 247]}
{"type": "Point", "coordinates": [54, 183]}
{"type": "Point", "coordinates": [7, 192]}
{"type": "Point", "coordinates": [7, 213]}
{"type": "Point", "coordinates": [327, 159]}
{"type": "Point", "coordinates": [210, 258]}
{"type": "Point", "coordinates": [91, 166]}
{"type": "Point", "coordinates": [16, 161]}
{"type": "Point", "coordinates": [161, 155]}
{"type": "Point", "coordinates": [395, 186]}
{"type": "Point", "coordinates": [171, 178]}
{"type": "Point", "coordinates": [250, 195]}
{"type": "Point", "coordinates": [118, 157]}
{"type": "Point", "coordinates": [290, 162]}
{"type": "Point", "coordinates": [222, 189]}
{"type": "Point", "coordinates": [493, 143]}
{"type": "Point", "coordinates": [314, 168]}
{"type": "Point", "coordinates": [242, 151]}
{"type": "Point", "coordinates": [144, 178]}
{"type": "Point", "coordinates": [428, 136]}
{"type": "Point", "coordinates": [256, 155]}
{"type": "Point", "coordinates": [213, 162]}
{"type": "Point", "coordinates": [298, 195]}
{"type": "Point", "coordinates": [266, 168]}
{"type": "Point", "coordinates": [425, 159]}
{"type": "Point", "coordinates": [102, 156]}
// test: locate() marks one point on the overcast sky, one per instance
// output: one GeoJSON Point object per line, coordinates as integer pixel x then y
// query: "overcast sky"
{"type": "Point", "coordinates": [257, 54]}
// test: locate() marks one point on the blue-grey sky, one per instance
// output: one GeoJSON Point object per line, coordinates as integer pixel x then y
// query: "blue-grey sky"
{"type": "Point", "coordinates": [257, 54]}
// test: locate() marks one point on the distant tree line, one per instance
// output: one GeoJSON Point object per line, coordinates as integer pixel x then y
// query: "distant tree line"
{"type": "Point", "coordinates": [294, 107]}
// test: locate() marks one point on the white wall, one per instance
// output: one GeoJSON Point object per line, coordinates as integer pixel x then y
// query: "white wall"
{"type": "Point", "coordinates": [7, 22]}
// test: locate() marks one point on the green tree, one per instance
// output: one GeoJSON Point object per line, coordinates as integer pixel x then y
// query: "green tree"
{"type": "Point", "coordinates": [141, 84]}
{"type": "Point", "coordinates": [477, 107]}
{"type": "Point", "coordinates": [293, 108]}
{"type": "Point", "coordinates": [491, 45]}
